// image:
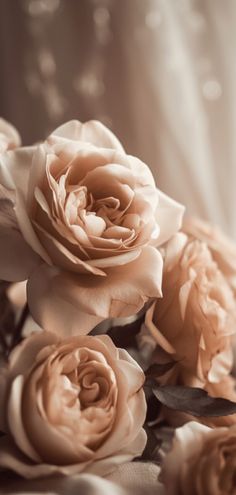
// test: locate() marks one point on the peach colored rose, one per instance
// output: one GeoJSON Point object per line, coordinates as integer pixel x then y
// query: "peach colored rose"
{"type": "Point", "coordinates": [91, 218]}
{"type": "Point", "coordinates": [222, 249]}
{"type": "Point", "coordinates": [194, 322]}
{"type": "Point", "coordinates": [202, 461]}
{"type": "Point", "coordinates": [70, 406]}
{"type": "Point", "coordinates": [9, 137]}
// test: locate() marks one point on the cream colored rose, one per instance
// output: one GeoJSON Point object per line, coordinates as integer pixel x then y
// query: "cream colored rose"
{"type": "Point", "coordinates": [91, 219]}
{"type": "Point", "coordinates": [9, 137]}
{"type": "Point", "coordinates": [70, 406]}
{"type": "Point", "coordinates": [202, 461]}
{"type": "Point", "coordinates": [194, 322]}
{"type": "Point", "coordinates": [222, 249]}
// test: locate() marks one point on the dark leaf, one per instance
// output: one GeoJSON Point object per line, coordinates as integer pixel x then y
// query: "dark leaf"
{"type": "Point", "coordinates": [194, 401]}
{"type": "Point", "coordinates": [153, 445]}
{"type": "Point", "coordinates": [153, 408]}
{"type": "Point", "coordinates": [156, 370]}
{"type": "Point", "coordinates": [125, 335]}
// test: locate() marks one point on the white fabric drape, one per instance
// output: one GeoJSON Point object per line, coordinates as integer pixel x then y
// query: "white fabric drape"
{"type": "Point", "coordinates": [183, 101]}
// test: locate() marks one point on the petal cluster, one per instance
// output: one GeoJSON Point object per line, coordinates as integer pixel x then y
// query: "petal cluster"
{"type": "Point", "coordinates": [201, 461]}
{"type": "Point", "coordinates": [92, 218]}
{"type": "Point", "coordinates": [70, 406]}
{"type": "Point", "coordinates": [196, 319]}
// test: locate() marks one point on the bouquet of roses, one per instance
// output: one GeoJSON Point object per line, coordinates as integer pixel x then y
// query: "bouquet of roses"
{"type": "Point", "coordinates": [117, 321]}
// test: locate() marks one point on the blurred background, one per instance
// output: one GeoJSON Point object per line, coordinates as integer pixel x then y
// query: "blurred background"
{"type": "Point", "coordinates": [160, 73]}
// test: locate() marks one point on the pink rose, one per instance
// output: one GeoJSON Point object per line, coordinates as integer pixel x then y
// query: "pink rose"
{"type": "Point", "coordinates": [222, 249]}
{"type": "Point", "coordinates": [202, 461]}
{"type": "Point", "coordinates": [194, 322]}
{"type": "Point", "coordinates": [70, 406]}
{"type": "Point", "coordinates": [89, 219]}
{"type": "Point", "coordinates": [9, 137]}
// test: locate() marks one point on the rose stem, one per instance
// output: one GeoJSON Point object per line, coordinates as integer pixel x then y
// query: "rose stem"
{"type": "Point", "coordinates": [19, 327]}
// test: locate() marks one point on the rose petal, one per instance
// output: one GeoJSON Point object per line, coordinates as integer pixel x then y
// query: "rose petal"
{"type": "Point", "coordinates": [27, 228]}
{"type": "Point", "coordinates": [104, 467]}
{"type": "Point", "coordinates": [116, 260]}
{"type": "Point", "coordinates": [15, 420]}
{"type": "Point", "coordinates": [15, 167]}
{"type": "Point", "coordinates": [169, 216]}
{"type": "Point", "coordinates": [63, 258]}
{"type": "Point", "coordinates": [222, 364]}
{"type": "Point", "coordinates": [53, 310]}
{"type": "Point", "coordinates": [29, 347]}
{"type": "Point", "coordinates": [125, 431]}
{"type": "Point", "coordinates": [11, 458]}
{"type": "Point", "coordinates": [184, 443]}
{"type": "Point", "coordinates": [91, 132]}
{"type": "Point", "coordinates": [9, 136]}
{"type": "Point", "coordinates": [10, 237]}
{"type": "Point", "coordinates": [123, 293]}
{"type": "Point", "coordinates": [36, 173]}
{"type": "Point", "coordinates": [133, 373]}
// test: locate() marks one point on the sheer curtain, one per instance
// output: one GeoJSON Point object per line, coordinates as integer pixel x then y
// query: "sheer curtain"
{"type": "Point", "coordinates": [160, 73]}
{"type": "Point", "coordinates": [183, 102]}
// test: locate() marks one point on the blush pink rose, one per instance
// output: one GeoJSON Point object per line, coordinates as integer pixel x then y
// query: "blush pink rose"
{"type": "Point", "coordinates": [9, 136]}
{"type": "Point", "coordinates": [70, 406]}
{"type": "Point", "coordinates": [194, 322]}
{"type": "Point", "coordinates": [88, 221]}
{"type": "Point", "coordinates": [202, 461]}
{"type": "Point", "coordinates": [222, 249]}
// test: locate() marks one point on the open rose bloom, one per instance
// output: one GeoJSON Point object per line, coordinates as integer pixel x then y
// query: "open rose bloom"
{"type": "Point", "coordinates": [194, 323]}
{"type": "Point", "coordinates": [201, 461]}
{"type": "Point", "coordinates": [70, 406]}
{"type": "Point", "coordinates": [87, 221]}
{"type": "Point", "coordinates": [86, 236]}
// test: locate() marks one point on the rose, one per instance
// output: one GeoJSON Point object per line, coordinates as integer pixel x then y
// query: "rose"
{"type": "Point", "coordinates": [202, 461]}
{"type": "Point", "coordinates": [194, 322]}
{"type": "Point", "coordinates": [222, 249]}
{"type": "Point", "coordinates": [89, 219]}
{"type": "Point", "coordinates": [70, 406]}
{"type": "Point", "coordinates": [9, 137]}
